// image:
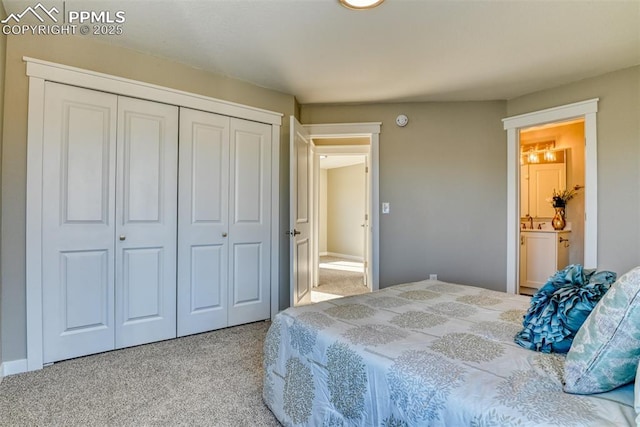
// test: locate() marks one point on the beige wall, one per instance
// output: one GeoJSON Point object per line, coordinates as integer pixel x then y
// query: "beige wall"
{"type": "Point", "coordinates": [618, 123]}
{"type": "Point", "coordinates": [322, 208]}
{"type": "Point", "coordinates": [3, 48]}
{"type": "Point", "coordinates": [568, 137]}
{"type": "Point", "coordinates": [93, 55]}
{"type": "Point", "coordinates": [345, 210]}
{"type": "Point", "coordinates": [445, 177]}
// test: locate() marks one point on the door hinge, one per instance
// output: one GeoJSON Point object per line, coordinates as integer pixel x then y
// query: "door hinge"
{"type": "Point", "coordinates": [366, 217]}
{"type": "Point", "coordinates": [366, 169]}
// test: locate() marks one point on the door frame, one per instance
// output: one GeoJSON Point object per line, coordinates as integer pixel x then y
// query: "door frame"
{"type": "Point", "coordinates": [369, 130]}
{"type": "Point", "coordinates": [39, 71]}
{"type": "Point", "coordinates": [588, 110]}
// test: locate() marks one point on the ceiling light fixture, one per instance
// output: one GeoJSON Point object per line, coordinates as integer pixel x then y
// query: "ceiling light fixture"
{"type": "Point", "coordinates": [360, 4]}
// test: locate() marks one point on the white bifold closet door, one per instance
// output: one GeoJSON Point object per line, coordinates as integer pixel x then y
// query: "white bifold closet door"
{"type": "Point", "coordinates": [146, 221]}
{"type": "Point", "coordinates": [109, 222]}
{"type": "Point", "coordinates": [224, 231]}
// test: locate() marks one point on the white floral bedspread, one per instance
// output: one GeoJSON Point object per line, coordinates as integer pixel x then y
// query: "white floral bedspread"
{"type": "Point", "coordinates": [421, 354]}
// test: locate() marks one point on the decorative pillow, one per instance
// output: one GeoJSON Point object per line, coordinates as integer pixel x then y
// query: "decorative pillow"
{"type": "Point", "coordinates": [560, 307]}
{"type": "Point", "coordinates": [606, 350]}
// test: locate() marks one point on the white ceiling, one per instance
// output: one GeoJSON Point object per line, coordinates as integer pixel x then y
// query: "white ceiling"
{"type": "Point", "coordinates": [404, 50]}
{"type": "Point", "coordinates": [333, 161]}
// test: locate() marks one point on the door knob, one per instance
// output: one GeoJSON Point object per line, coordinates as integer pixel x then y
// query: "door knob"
{"type": "Point", "coordinates": [292, 233]}
{"type": "Point", "coordinates": [123, 237]}
{"type": "Point", "coordinates": [224, 234]}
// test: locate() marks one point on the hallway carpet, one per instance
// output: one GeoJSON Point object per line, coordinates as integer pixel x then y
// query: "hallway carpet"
{"type": "Point", "coordinates": [338, 278]}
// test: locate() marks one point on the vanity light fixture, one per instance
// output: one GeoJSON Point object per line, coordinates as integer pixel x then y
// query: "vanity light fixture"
{"type": "Point", "coordinates": [360, 4]}
{"type": "Point", "coordinates": [549, 155]}
{"type": "Point", "coordinates": [534, 153]}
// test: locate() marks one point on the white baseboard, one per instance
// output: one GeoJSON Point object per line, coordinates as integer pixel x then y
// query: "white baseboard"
{"type": "Point", "coordinates": [351, 257]}
{"type": "Point", "coordinates": [13, 367]}
{"type": "Point", "coordinates": [323, 253]}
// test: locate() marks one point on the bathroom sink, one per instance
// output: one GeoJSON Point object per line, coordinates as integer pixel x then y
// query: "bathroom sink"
{"type": "Point", "coordinates": [544, 230]}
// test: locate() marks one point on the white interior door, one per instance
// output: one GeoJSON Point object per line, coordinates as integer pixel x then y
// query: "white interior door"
{"type": "Point", "coordinates": [78, 222]}
{"type": "Point", "coordinates": [367, 227]}
{"type": "Point", "coordinates": [249, 222]}
{"type": "Point", "coordinates": [300, 214]}
{"type": "Point", "coordinates": [203, 222]}
{"type": "Point", "coordinates": [543, 179]}
{"type": "Point", "coordinates": [146, 222]}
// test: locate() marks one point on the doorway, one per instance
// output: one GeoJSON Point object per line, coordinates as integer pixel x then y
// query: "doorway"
{"type": "Point", "coordinates": [307, 144]}
{"type": "Point", "coordinates": [586, 110]}
{"type": "Point", "coordinates": [552, 161]}
{"type": "Point", "coordinates": [342, 217]}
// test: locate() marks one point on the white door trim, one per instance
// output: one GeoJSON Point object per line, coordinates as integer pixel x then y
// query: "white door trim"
{"type": "Point", "coordinates": [371, 131]}
{"type": "Point", "coordinates": [587, 109]}
{"type": "Point", "coordinates": [40, 71]}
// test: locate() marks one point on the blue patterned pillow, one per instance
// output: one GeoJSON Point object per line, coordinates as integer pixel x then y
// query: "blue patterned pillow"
{"type": "Point", "coordinates": [606, 350]}
{"type": "Point", "coordinates": [561, 306]}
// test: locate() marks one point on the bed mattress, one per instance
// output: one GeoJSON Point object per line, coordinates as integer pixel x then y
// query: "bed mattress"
{"type": "Point", "coordinates": [421, 354]}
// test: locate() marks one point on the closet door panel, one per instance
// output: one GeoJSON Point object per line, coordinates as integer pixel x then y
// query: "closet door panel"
{"type": "Point", "coordinates": [203, 222]}
{"type": "Point", "coordinates": [247, 262]}
{"type": "Point", "coordinates": [250, 221]}
{"type": "Point", "coordinates": [143, 178]}
{"type": "Point", "coordinates": [208, 163]}
{"type": "Point", "coordinates": [78, 221]}
{"type": "Point", "coordinates": [142, 279]}
{"type": "Point", "coordinates": [208, 266]}
{"type": "Point", "coordinates": [146, 222]}
{"type": "Point", "coordinates": [85, 283]}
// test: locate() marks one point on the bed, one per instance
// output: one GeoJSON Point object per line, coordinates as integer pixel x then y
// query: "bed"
{"type": "Point", "coordinates": [427, 353]}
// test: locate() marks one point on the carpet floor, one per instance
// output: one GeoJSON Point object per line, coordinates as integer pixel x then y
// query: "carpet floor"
{"type": "Point", "coordinates": [338, 278]}
{"type": "Point", "coordinates": [210, 379]}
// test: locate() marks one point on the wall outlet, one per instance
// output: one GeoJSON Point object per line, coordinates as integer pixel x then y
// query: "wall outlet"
{"type": "Point", "coordinates": [385, 207]}
{"type": "Point", "coordinates": [433, 277]}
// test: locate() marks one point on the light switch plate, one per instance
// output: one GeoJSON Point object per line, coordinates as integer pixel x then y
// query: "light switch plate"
{"type": "Point", "coordinates": [385, 207]}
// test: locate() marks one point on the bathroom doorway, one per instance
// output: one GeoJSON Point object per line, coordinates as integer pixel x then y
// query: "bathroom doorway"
{"type": "Point", "coordinates": [552, 161]}
{"type": "Point", "coordinates": [586, 110]}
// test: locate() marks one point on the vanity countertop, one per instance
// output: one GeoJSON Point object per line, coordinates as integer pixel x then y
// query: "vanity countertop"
{"type": "Point", "coordinates": [535, 230]}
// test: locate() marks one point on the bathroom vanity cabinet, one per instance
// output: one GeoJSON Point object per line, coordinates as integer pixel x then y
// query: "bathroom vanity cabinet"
{"type": "Point", "coordinates": [542, 253]}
